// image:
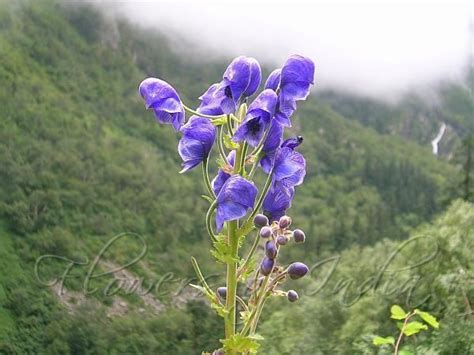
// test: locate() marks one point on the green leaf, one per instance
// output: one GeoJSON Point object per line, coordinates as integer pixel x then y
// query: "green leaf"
{"type": "Point", "coordinates": [229, 144]}
{"type": "Point", "coordinates": [398, 312]}
{"type": "Point", "coordinates": [242, 344]}
{"type": "Point", "coordinates": [428, 318]}
{"type": "Point", "coordinates": [219, 121]}
{"type": "Point", "coordinates": [382, 341]}
{"type": "Point", "coordinates": [222, 251]}
{"type": "Point", "coordinates": [405, 352]}
{"type": "Point", "coordinates": [414, 328]}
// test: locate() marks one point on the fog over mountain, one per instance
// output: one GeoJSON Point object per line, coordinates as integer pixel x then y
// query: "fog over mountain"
{"type": "Point", "coordinates": [378, 49]}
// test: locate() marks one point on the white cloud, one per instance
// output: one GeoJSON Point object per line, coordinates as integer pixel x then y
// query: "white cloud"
{"type": "Point", "coordinates": [376, 48]}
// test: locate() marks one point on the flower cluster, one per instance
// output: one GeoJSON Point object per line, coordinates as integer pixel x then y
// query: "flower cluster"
{"type": "Point", "coordinates": [248, 139]}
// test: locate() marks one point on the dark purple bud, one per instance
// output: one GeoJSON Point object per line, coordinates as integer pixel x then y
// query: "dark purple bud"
{"type": "Point", "coordinates": [218, 352]}
{"type": "Point", "coordinates": [292, 296]}
{"type": "Point", "coordinates": [266, 266]}
{"type": "Point", "coordinates": [297, 270]}
{"type": "Point", "coordinates": [260, 220]}
{"type": "Point", "coordinates": [299, 236]}
{"type": "Point", "coordinates": [284, 222]}
{"type": "Point", "coordinates": [271, 249]}
{"type": "Point", "coordinates": [266, 232]}
{"type": "Point", "coordinates": [222, 292]}
{"type": "Point", "coordinates": [282, 240]}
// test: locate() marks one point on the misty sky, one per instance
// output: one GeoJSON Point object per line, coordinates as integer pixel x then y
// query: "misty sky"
{"type": "Point", "coordinates": [374, 48]}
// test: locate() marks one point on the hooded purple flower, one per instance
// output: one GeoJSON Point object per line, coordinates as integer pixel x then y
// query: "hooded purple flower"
{"type": "Point", "coordinates": [255, 77]}
{"type": "Point", "coordinates": [297, 76]}
{"type": "Point", "coordinates": [271, 144]}
{"type": "Point", "coordinates": [241, 79]}
{"type": "Point", "coordinates": [196, 143]}
{"type": "Point", "coordinates": [293, 83]}
{"type": "Point", "coordinates": [222, 176]}
{"type": "Point", "coordinates": [164, 100]}
{"type": "Point", "coordinates": [292, 142]}
{"type": "Point", "coordinates": [211, 104]}
{"type": "Point", "coordinates": [273, 81]}
{"type": "Point", "coordinates": [277, 201]}
{"type": "Point", "coordinates": [259, 115]}
{"type": "Point", "coordinates": [235, 198]}
{"type": "Point", "coordinates": [289, 168]}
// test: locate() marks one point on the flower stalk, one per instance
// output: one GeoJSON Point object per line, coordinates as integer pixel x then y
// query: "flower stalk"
{"type": "Point", "coordinates": [223, 119]}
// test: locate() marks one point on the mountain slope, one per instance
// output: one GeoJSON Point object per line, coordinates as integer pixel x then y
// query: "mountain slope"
{"type": "Point", "coordinates": [81, 161]}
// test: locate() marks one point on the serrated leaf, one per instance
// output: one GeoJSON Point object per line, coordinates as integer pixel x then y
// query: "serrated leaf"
{"type": "Point", "coordinates": [222, 251]}
{"type": "Point", "coordinates": [229, 144]}
{"type": "Point", "coordinates": [414, 328]}
{"type": "Point", "coordinates": [382, 341]}
{"type": "Point", "coordinates": [398, 312]}
{"type": "Point", "coordinates": [428, 318]}
{"type": "Point", "coordinates": [242, 344]}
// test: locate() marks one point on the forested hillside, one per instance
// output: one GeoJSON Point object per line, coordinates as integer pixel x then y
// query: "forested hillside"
{"type": "Point", "coordinates": [81, 161]}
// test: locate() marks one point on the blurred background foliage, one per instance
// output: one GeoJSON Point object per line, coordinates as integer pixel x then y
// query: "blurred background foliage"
{"type": "Point", "coordinates": [81, 161]}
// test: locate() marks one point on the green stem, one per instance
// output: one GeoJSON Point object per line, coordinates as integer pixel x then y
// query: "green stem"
{"type": "Point", "coordinates": [401, 333]}
{"type": "Point", "coordinates": [199, 275]}
{"type": "Point", "coordinates": [205, 175]}
{"type": "Point", "coordinates": [220, 144]}
{"type": "Point", "coordinates": [243, 156]}
{"type": "Point", "coordinates": [211, 209]}
{"type": "Point", "coordinates": [231, 280]}
{"type": "Point", "coordinates": [258, 305]}
{"type": "Point", "coordinates": [190, 110]}
{"type": "Point", "coordinates": [229, 125]}
{"type": "Point", "coordinates": [250, 254]}
{"type": "Point", "coordinates": [233, 240]}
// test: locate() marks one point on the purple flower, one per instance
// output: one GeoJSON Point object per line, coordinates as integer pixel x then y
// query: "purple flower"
{"type": "Point", "coordinates": [164, 100]}
{"type": "Point", "coordinates": [289, 168]}
{"type": "Point", "coordinates": [273, 81]}
{"type": "Point", "coordinates": [266, 266]}
{"type": "Point", "coordinates": [255, 77]}
{"type": "Point", "coordinates": [241, 79]}
{"type": "Point", "coordinates": [297, 270]}
{"type": "Point", "coordinates": [277, 201]}
{"type": "Point", "coordinates": [271, 144]}
{"type": "Point", "coordinates": [198, 137]}
{"type": "Point", "coordinates": [292, 296]}
{"type": "Point", "coordinates": [292, 142]}
{"type": "Point", "coordinates": [271, 249]}
{"type": "Point", "coordinates": [297, 76]}
{"type": "Point", "coordinates": [222, 176]}
{"type": "Point", "coordinates": [258, 118]}
{"type": "Point", "coordinates": [235, 198]}
{"type": "Point", "coordinates": [293, 83]}
{"type": "Point", "coordinates": [211, 104]}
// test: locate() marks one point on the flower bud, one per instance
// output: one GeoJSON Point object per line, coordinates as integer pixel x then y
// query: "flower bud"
{"type": "Point", "coordinates": [222, 292]}
{"type": "Point", "coordinates": [218, 352]}
{"type": "Point", "coordinates": [297, 270]}
{"type": "Point", "coordinates": [299, 236]}
{"type": "Point", "coordinates": [282, 240]}
{"type": "Point", "coordinates": [271, 249]}
{"type": "Point", "coordinates": [266, 266]}
{"type": "Point", "coordinates": [266, 232]}
{"type": "Point", "coordinates": [260, 220]}
{"type": "Point", "coordinates": [292, 296]}
{"type": "Point", "coordinates": [284, 222]}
